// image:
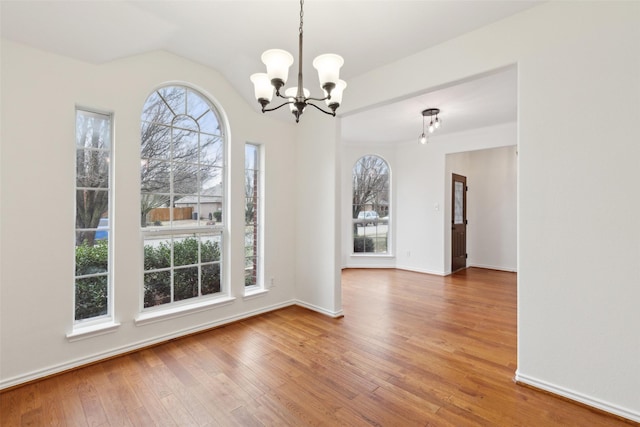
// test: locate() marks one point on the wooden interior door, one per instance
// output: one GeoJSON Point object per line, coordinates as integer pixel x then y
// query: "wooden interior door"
{"type": "Point", "coordinates": [458, 222]}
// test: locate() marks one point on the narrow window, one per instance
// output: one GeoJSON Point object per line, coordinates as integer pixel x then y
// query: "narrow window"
{"type": "Point", "coordinates": [252, 273]}
{"type": "Point", "coordinates": [370, 207]}
{"type": "Point", "coordinates": [182, 197]}
{"type": "Point", "coordinates": [93, 231]}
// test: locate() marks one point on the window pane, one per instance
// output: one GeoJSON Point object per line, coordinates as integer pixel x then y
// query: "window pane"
{"type": "Point", "coordinates": [175, 99]}
{"type": "Point", "coordinates": [185, 145]}
{"type": "Point", "coordinates": [209, 123]}
{"type": "Point", "coordinates": [210, 279]}
{"type": "Point", "coordinates": [156, 177]}
{"type": "Point", "coordinates": [196, 107]}
{"type": "Point", "coordinates": [155, 110]}
{"type": "Point", "coordinates": [185, 283]}
{"type": "Point", "coordinates": [250, 278]}
{"type": "Point", "coordinates": [156, 141]}
{"type": "Point", "coordinates": [185, 178]}
{"type": "Point", "coordinates": [185, 251]}
{"type": "Point", "coordinates": [458, 216]}
{"type": "Point", "coordinates": [92, 168]}
{"type": "Point", "coordinates": [157, 253]}
{"type": "Point", "coordinates": [93, 130]}
{"type": "Point", "coordinates": [91, 206]}
{"type": "Point", "coordinates": [250, 156]}
{"type": "Point", "coordinates": [210, 177]}
{"type": "Point", "coordinates": [211, 150]}
{"type": "Point", "coordinates": [91, 258]}
{"type": "Point", "coordinates": [91, 297]}
{"type": "Point", "coordinates": [210, 248]}
{"type": "Point", "coordinates": [157, 288]}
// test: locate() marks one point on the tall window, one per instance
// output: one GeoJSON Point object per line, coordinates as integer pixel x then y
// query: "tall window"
{"type": "Point", "coordinates": [370, 208]}
{"type": "Point", "coordinates": [93, 236]}
{"type": "Point", "coordinates": [182, 197]}
{"type": "Point", "coordinates": [252, 215]}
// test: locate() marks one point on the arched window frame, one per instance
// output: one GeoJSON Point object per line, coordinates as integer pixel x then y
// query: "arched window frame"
{"type": "Point", "coordinates": [371, 206]}
{"type": "Point", "coordinates": [191, 148]}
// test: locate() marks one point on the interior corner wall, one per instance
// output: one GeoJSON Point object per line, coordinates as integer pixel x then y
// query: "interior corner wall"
{"type": "Point", "coordinates": [317, 260]}
{"type": "Point", "coordinates": [578, 256]}
{"type": "Point", "coordinates": [39, 94]}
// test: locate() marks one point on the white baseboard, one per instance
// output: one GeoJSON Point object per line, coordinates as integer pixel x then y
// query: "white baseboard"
{"type": "Point", "coordinates": [421, 270]}
{"type": "Point", "coordinates": [494, 267]}
{"type": "Point", "coordinates": [334, 314]}
{"type": "Point", "coordinates": [578, 397]}
{"type": "Point", "coordinates": [52, 370]}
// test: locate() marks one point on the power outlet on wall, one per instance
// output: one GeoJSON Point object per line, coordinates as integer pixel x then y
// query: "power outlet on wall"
{"type": "Point", "coordinates": [272, 282]}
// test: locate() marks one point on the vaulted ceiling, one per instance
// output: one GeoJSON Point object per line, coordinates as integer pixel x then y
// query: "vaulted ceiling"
{"type": "Point", "coordinates": [230, 36]}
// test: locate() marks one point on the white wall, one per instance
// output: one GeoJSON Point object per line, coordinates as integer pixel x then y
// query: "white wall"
{"type": "Point", "coordinates": [578, 287]}
{"type": "Point", "coordinates": [317, 226]}
{"type": "Point", "coordinates": [39, 94]}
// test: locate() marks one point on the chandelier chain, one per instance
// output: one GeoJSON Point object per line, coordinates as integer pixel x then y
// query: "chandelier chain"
{"type": "Point", "coordinates": [301, 15]}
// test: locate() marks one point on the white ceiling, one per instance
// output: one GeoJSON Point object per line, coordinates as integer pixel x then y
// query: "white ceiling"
{"type": "Point", "coordinates": [230, 36]}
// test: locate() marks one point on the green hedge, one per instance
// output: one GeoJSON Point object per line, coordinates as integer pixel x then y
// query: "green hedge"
{"type": "Point", "coordinates": [91, 292]}
{"type": "Point", "coordinates": [363, 244]}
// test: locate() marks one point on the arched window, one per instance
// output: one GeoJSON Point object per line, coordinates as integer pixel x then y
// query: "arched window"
{"type": "Point", "coordinates": [182, 197]}
{"type": "Point", "coordinates": [370, 207]}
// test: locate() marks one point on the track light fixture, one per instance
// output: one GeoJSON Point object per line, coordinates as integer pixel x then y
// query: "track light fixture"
{"type": "Point", "coordinates": [433, 123]}
{"type": "Point", "coordinates": [278, 62]}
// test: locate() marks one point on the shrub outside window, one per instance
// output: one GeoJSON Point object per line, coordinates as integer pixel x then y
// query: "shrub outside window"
{"type": "Point", "coordinates": [182, 197]}
{"type": "Point", "coordinates": [370, 206]}
{"type": "Point", "coordinates": [92, 230]}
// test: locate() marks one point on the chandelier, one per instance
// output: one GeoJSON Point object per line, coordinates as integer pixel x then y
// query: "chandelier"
{"type": "Point", "coordinates": [433, 124]}
{"type": "Point", "coordinates": [278, 62]}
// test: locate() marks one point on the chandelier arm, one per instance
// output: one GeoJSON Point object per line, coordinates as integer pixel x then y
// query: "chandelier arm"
{"type": "Point", "coordinates": [331, 113]}
{"type": "Point", "coordinates": [318, 99]}
{"type": "Point", "coordinates": [279, 95]}
{"type": "Point", "coordinates": [264, 110]}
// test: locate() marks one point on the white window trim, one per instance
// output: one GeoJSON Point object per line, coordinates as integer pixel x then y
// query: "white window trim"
{"type": "Point", "coordinates": [166, 313]}
{"type": "Point", "coordinates": [390, 249]}
{"type": "Point", "coordinates": [99, 325]}
{"type": "Point", "coordinates": [93, 329]}
{"type": "Point", "coordinates": [193, 305]}
{"type": "Point", "coordinates": [259, 288]}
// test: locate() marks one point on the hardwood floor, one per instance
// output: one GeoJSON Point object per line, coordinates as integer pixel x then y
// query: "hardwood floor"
{"type": "Point", "coordinates": [412, 350]}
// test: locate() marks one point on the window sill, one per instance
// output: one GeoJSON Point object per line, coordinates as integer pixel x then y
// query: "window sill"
{"type": "Point", "coordinates": [254, 293]}
{"type": "Point", "coordinates": [85, 332]}
{"type": "Point", "coordinates": [183, 310]}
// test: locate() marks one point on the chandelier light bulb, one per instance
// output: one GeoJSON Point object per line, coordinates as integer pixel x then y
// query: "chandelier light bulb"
{"type": "Point", "coordinates": [328, 66]}
{"type": "Point", "coordinates": [423, 139]}
{"type": "Point", "coordinates": [437, 123]}
{"type": "Point", "coordinates": [278, 62]}
{"type": "Point", "coordinates": [262, 86]}
{"type": "Point", "coordinates": [431, 127]}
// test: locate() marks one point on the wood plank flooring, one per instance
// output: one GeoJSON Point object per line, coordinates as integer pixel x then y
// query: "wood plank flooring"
{"type": "Point", "coordinates": [412, 350]}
